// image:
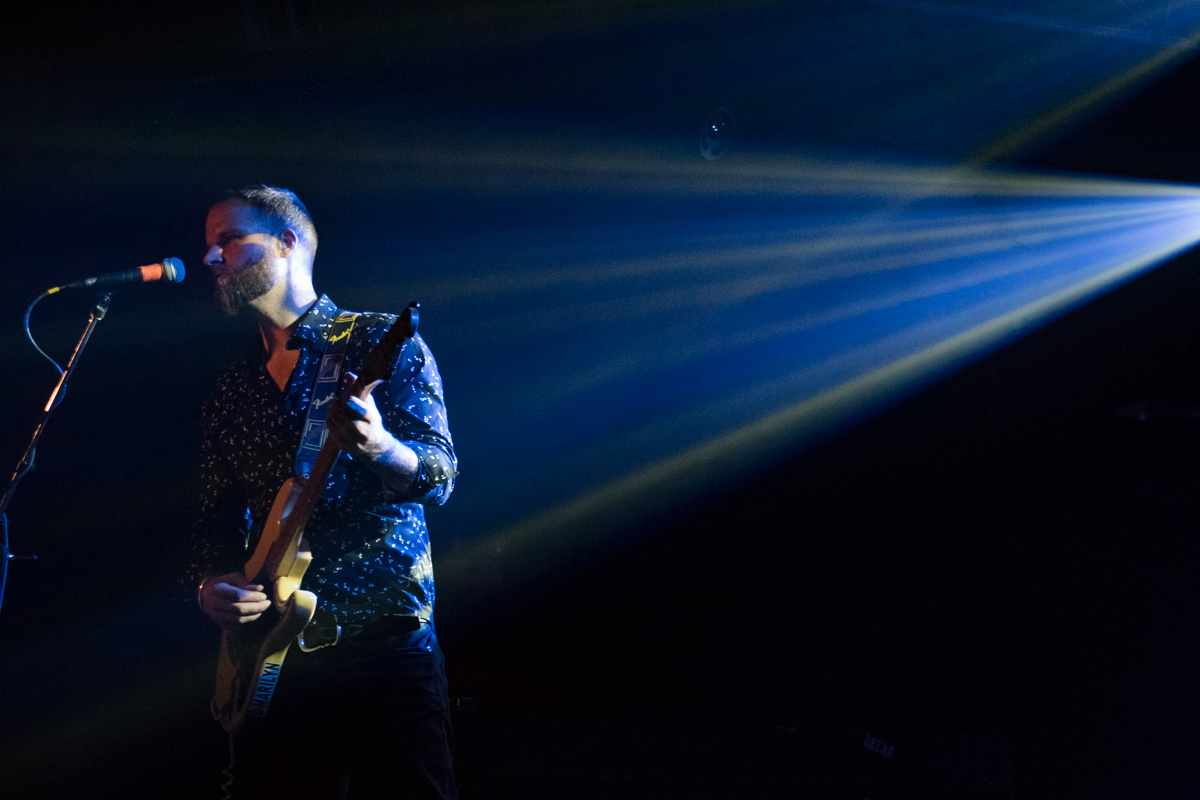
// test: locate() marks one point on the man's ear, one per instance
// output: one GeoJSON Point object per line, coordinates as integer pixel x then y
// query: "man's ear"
{"type": "Point", "coordinates": [287, 242]}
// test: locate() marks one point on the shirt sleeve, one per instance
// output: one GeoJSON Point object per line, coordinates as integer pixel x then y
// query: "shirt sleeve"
{"type": "Point", "coordinates": [413, 408]}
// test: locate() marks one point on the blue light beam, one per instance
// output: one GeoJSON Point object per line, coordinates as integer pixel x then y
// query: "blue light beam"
{"type": "Point", "coordinates": [618, 373]}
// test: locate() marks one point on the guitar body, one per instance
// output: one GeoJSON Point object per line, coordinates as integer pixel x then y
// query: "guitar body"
{"type": "Point", "coordinates": [250, 658]}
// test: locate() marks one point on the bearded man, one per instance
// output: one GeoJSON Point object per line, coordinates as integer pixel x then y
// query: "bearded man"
{"type": "Point", "coordinates": [362, 711]}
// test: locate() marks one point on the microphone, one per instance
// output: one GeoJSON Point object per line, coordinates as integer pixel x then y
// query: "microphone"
{"type": "Point", "coordinates": [170, 270]}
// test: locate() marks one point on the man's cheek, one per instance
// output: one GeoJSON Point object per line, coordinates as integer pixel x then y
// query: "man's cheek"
{"type": "Point", "coordinates": [251, 254]}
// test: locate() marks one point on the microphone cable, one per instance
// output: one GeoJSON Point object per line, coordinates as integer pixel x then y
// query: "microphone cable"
{"type": "Point", "coordinates": [29, 333]}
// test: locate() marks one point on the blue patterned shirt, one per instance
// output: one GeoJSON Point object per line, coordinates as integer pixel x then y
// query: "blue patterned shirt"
{"type": "Point", "coordinates": [370, 545]}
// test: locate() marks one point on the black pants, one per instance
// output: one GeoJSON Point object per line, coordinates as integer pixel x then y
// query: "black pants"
{"type": "Point", "coordinates": [356, 720]}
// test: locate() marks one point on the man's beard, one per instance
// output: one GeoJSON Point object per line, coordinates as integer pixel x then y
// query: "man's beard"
{"type": "Point", "coordinates": [235, 290]}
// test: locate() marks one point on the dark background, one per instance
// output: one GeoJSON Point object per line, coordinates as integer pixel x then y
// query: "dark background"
{"type": "Point", "coordinates": [1009, 553]}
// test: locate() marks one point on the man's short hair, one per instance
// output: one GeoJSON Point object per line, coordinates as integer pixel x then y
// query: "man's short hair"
{"type": "Point", "coordinates": [279, 209]}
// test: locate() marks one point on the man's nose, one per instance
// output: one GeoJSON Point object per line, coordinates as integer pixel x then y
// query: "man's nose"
{"type": "Point", "coordinates": [214, 256]}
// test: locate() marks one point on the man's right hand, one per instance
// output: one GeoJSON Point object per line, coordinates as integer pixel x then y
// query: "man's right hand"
{"type": "Point", "coordinates": [230, 601]}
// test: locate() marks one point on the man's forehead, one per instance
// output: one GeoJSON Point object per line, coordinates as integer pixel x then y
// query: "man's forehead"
{"type": "Point", "coordinates": [233, 213]}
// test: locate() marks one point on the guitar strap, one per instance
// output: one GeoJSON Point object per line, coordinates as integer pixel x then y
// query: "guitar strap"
{"type": "Point", "coordinates": [325, 387]}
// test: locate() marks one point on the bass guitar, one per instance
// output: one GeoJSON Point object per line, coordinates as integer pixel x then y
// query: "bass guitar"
{"type": "Point", "coordinates": [251, 657]}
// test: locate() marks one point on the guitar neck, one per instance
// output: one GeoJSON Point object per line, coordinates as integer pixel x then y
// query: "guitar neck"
{"type": "Point", "coordinates": [306, 497]}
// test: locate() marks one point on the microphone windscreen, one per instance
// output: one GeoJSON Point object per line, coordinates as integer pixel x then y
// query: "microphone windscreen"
{"type": "Point", "coordinates": [173, 270]}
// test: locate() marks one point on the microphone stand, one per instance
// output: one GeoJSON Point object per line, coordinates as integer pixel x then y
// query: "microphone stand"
{"type": "Point", "coordinates": [26, 462]}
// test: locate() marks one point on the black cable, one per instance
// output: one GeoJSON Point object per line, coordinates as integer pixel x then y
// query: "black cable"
{"type": "Point", "coordinates": [29, 334]}
{"type": "Point", "coordinates": [59, 393]}
{"type": "Point", "coordinates": [5, 557]}
{"type": "Point", "coordinates": [24, 468]}
{"type": "Point", "coordinates": [227, 786]}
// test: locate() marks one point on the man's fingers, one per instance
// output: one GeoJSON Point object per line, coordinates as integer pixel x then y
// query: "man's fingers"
{"type": "Point", "coordinates": [349, 430]}
{"type": "Point", "coordinates": [348, 412]}
{"type": "Point", "coordinates": [245, 609]}
{"type": "Point", "coordinates": [238, 614]}
{"type": "Point", "coordinates": [252, 608]}
{"type": "Point", "coordinates": [252, 593]}
{"type": "Point", "coordinates": [232, 601]}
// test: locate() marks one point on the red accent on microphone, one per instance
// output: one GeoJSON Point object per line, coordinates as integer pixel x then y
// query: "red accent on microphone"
{"type": "Point", "coordinates": [152, 272]}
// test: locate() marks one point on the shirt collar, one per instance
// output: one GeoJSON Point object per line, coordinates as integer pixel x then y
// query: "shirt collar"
{"type": "Point", "coordinates": [314, 324]}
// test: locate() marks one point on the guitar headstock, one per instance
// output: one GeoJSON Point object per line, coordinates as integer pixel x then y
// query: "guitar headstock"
{"type": "Point", "coordinates": [379, 363]}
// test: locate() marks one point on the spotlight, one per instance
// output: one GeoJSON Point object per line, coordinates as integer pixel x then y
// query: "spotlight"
{"type": "Point", "coordinates": [717, 134]}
